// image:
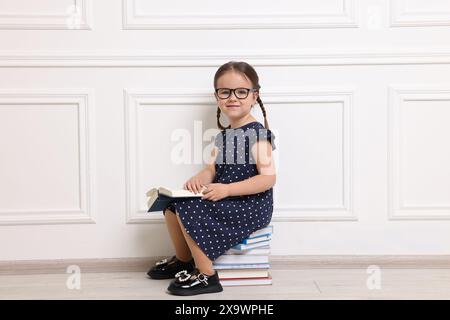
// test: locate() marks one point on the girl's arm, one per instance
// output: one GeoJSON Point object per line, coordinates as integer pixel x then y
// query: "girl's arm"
{"type": "Point", "coordinates": [266, 179]}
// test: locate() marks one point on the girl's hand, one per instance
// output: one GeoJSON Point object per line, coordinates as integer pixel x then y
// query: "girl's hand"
{"type": "Point", "coordinates": [216, 191]}
{"type": "Point", "coordinates": [194, 184]}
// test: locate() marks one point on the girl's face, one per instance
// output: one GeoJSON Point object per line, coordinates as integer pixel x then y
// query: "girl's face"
{"type": "Point", "coordinates": [233, 107]}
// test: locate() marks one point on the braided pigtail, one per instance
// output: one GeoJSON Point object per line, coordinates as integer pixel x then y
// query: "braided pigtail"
{"type": "Point", "coordinates": [266, 124]}
{"type": "Point", "coordinates": [218, 121]}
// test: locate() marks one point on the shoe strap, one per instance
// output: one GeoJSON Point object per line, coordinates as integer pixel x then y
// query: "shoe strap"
{"type": "Point", "coordinates": [200, 276]}
{"type": "Point", "coordinates": [203, 278]}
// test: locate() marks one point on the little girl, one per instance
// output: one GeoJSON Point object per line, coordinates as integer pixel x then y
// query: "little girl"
{"type": "Point", "coordinates": [236, 184]}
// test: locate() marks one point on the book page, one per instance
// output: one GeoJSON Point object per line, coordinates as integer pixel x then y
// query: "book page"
{"type": "Point", "coordinates": [178, 192]}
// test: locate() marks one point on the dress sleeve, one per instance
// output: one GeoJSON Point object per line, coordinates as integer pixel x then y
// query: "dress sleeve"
{"type": "Point", "coordinates": [218, 140]}
{"type": "Point", "coordinates": [261, 134]}
{"type": "Point", "coordinates": [264, 134]}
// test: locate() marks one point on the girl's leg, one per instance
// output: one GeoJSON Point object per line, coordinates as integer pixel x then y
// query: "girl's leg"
{"type": "Point", "coordinates": [182, 250]}
{"type": "Point", "coordinates": [202, 261]}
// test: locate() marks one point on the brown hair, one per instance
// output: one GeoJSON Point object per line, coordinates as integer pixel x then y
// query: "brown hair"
{"type": "Point", "coordinates": [249, 72]}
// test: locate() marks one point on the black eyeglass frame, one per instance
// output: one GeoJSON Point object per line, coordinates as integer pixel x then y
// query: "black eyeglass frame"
{"type": "Point", "coordinates": [234, 92]}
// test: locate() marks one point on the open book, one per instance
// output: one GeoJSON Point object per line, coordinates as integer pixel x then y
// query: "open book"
{"type": "Point", "coordinates": [160, 198]}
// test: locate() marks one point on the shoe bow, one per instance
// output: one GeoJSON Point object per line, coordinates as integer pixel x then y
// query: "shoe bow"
{"type": "Point", "coordinates": [183, 276]}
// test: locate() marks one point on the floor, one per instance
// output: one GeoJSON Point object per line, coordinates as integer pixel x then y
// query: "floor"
{"type": "Point", "coordinates": [287, 284]}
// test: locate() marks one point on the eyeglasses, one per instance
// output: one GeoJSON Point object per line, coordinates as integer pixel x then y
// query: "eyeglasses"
{"type": "Point", "coordinates": [240, 93]}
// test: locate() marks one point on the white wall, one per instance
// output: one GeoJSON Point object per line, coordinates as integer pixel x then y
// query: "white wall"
{"type": "Point", "coordinates": [357, 92]}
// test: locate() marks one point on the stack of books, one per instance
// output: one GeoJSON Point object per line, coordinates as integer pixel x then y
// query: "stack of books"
{"type": "Point", "coordinates": [248, 262]}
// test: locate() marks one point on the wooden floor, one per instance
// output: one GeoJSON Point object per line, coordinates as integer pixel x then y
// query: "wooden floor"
{"type": "Point", "coordinates": [287, 284]}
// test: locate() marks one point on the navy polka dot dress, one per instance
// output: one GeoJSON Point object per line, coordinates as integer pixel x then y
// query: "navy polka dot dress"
{"type": "Point", "coordinates": [216, 226]}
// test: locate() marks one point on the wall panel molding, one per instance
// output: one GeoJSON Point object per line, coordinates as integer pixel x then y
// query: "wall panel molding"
{"type": "Point", "coordinates": [134, 19]}
{"type": "Point", "coordinates": [83, 99]}
{"type": "Point", "coordinates": [180, 58]}
{"type": "Point", "coordinates": [134, 98]}
{"type": "Point", "coordinates": [398, 95]}
{"type": "Point", "coordinates": [76, 17]}
{"type": "Point", "coordinates": [400, 16]}
{"type": "Point", "coordinates": [342, 211]}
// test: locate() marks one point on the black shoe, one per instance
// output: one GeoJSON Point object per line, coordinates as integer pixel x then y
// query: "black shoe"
{"type": "Point", "coordinates": [167, 269]}
{"type": "Point", "coordinates": [195, 282]}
